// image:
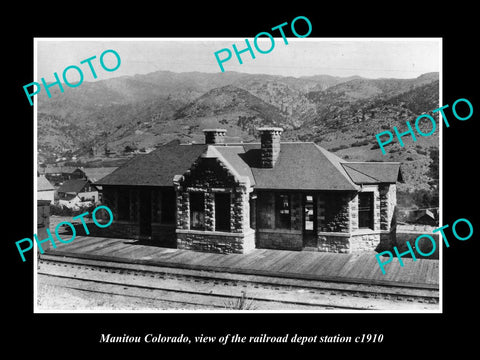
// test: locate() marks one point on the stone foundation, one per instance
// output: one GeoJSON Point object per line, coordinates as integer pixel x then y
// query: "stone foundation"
{"type": "Point", "coordinates": [216, 242]}
{"type": "Point", "coordinates": [337, 243]}
{"type": "Point", "coordinates": [354, 243]}
{"type": "Point", "coordinates": [364, 242]}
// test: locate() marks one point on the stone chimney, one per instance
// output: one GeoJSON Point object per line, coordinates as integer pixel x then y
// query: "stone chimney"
{"type": "Point", "coordinates": [214, 136]}
{"type": "Point", "coordinates": [270, 140]}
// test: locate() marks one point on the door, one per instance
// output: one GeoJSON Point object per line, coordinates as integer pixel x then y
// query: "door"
{"type": "Point", "coordinates": [309, 220]}
{"type": "Point", "coordinates": [222, 212]}
{"type": "Point", "coordinates": [145, 213]}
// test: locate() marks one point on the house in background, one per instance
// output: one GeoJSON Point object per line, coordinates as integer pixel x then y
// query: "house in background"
{"type": "Point", "coordinates": [45, 190]}
{"type": "Point", "coordinates": [74, 192]}
{"type": "Point", "coordinates": [57, 175]}
{"type": "Point", "coordinates": [425, 217]}
{"type": "Point", "coordinates": [97, 173]}
{"type": "Point", "coordinates": [231, 198]}
{"type": "Point", "coordinates": [94, 174]}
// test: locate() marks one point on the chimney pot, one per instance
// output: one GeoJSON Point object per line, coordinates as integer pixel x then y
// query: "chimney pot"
{"type": "Point", "coordinates": [270, 145]}
{"type": "Point", "coordinates": [214, 136]}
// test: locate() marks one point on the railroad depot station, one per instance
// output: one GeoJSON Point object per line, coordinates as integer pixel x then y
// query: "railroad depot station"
{"type": "Point", "coordinates": [288, 216]}
{"type": "Point", "coordinates": [233, 197]}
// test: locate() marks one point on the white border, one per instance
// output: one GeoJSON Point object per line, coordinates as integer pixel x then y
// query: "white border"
{"type": "Point", "coordinates": [35, 142]}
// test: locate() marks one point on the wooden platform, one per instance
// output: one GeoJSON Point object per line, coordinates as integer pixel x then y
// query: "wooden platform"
{"type": "Point", "coordinates": [347, 268]}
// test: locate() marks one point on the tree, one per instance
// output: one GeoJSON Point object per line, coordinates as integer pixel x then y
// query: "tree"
{"type": "Point", "coordinates": [128, 149]}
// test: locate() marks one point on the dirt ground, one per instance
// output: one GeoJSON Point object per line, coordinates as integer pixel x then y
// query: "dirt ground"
{"type": "Point", "coordinates": [51, 297]}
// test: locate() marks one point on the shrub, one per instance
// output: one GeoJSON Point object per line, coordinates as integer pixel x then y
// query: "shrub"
{"type": "Point", "coordinates": [341, 147]}
{"type": "Point", "coordinates": [240, 303]}
{"type": "Point", "coordinates": [419, 198]}
{"type": "Point", "coordinates": [361, 143]}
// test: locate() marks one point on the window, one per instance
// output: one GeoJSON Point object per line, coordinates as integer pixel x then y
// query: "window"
{"type": "Point", "coordinates": [222, 212]}
{"type": "Point", "coordinates": [197, 211]}
{"type": "Point", "coordinates": [309, 211]}
{"type": "Point", "coordinates": [124, 205]}
{"type": "Point", "coordinates": [164, 206]}
{"type": "Point", "coordinates": [265, 210]}
{"type": "Point", "coordinates": [253, 211]}
{"type": "Point", "coordinates": [169, 207]}
{"type": "Point", "coordinates": [365, 210]}
{"type": "Point", "coordinates": [282, 211]}
{"type": "Point", "coordinates": [156, 212]}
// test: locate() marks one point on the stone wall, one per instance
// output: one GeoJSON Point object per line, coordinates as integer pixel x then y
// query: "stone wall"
{"type": "Point", "coordinates": [364, 242]}
{"type": "Point", "coordinates": [183, 210]}
{"type": "Point", "coordinates": [240, 210]}
{"type": "Point", "coordinates": [209, 199]}
{"type": "Point", "coordinates": [388, 201]}
{"type": "Point", "coordinates": [337, 243]}
{"type": "Point", "coordinates": [208, 173]}
{"type": "Point", "coordinates": [209, 176]}
{"type": "Point", "coordinates": [216, 242]}
{"type": "Point", "coordinates": [336, 211]}
{"type": "Point", "coordinates": [270, 146]}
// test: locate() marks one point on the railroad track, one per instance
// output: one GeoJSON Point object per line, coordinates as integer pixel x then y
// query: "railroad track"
{"type": "Point", "coordinates": [222, 291]}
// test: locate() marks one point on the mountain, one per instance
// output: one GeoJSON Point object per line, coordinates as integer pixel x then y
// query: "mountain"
{"type": "Point", "coordinates": [348, 127]}
{"type": "Point", "coordinates": [343, 114]}
{"type": "Point", "coordinates": [124, 106]}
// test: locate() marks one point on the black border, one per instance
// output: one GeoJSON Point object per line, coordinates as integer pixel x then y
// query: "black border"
{"type": "Point", "coordinates": [408, 333]}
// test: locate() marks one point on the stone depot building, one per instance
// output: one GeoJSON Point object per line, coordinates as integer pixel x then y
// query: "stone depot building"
{"type": "Point", "coordinates": [234, 197]}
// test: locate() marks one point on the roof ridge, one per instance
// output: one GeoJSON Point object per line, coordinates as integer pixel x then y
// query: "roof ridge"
{"type": "Point", "coordinates": [338, 161]}
{"type": "Point", "coordinates": [373, 162]}
{"type": "Point", "coordinates": [361, 172]}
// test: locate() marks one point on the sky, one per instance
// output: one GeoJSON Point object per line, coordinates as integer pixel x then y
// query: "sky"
{"type": "Point", "coordinates": [366, 57]}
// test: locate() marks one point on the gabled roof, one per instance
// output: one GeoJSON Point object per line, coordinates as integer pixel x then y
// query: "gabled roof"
{"type": "Point", "coordinates": [300, 166]}
{"type": "Point", "coordinates": [425, 212]}
{"type": "Point", "coordinates": [97, 173]}
{"type": "Point", "coordinates": [43, 184]}
{"type": "Point", "coordinates": [156, 168]}
{"type": "Point", "coordinates": [73, 186]}
{"type": "Point", "coordinates": [56, 169]}
{"type": "Point", "coordinates": [373, 172]}
{"type": "Point", "coordinates": [233, 155]}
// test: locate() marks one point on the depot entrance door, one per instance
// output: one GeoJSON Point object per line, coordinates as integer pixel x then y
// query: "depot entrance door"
{"type": "Point", "coordinates": [309, 207]}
